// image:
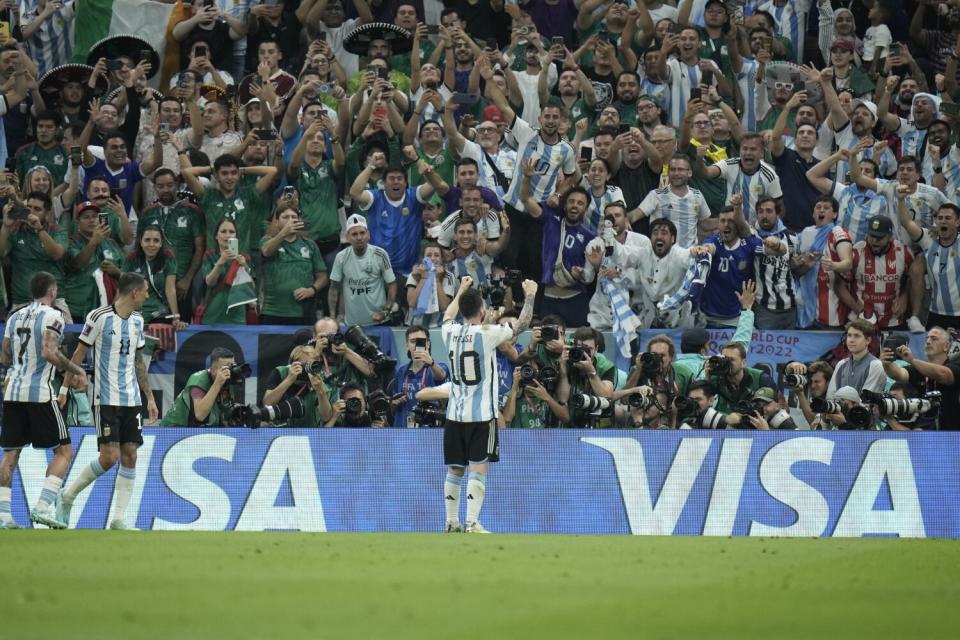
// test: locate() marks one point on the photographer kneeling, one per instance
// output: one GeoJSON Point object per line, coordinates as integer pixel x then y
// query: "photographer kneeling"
{"type": "Point", "coordinates": [207, 396]}
{"type": "Point", "coordinates": [537, 399]}
{"type": "Point", "coordinates": [809, 383]}
{"type": "Point", "coordinates": [351, 409]}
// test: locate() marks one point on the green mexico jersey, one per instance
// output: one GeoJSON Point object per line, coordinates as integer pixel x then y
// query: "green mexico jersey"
{"type": "Point", "coordinates": [26, 252]}
{"type": "Point", "coordinates": [217, 297]}
{"type": "Point", "coordinates": [247, 207]}
{"type": "Point", "coordinates": [81, 292]}
{"type": "Point", "coordinates": [318, 199]}
{"type": "Point", "coordinates": [292, 267]}
{"type": "Point", "coordinates": [55, 159]}
{"type": "Point", "coordinates": [442, 163]}
{"type": "Point", "coordinates": [182, 224]}
{"type": "Point", "coordinates": [157, 304]}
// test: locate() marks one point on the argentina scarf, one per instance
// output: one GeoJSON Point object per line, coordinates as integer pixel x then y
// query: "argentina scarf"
{"type": "Point", "coordinates": [807, 283]}
{"type": "Point", "coordinates": [692, 286]}
{"type": "Point", "coordinates": [625, 322]}
{"type": "Point", "coordinates": [427, 301]}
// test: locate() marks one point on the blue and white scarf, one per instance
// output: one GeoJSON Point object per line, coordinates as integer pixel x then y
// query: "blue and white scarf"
{"type": "Point", "coordinates": [427, 301]}
{"type": "Point", "coordinates": [625, 321]}
{"type": "Point", "coordinates": [692, 287]}
{"type": "Point", "coordinates": [807, 283]}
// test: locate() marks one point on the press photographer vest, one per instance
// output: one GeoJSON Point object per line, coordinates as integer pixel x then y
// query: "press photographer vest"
{"type": "Point", "coordinates": [311, 417]}
{"type": "Point", "coordinates": [181, 414]}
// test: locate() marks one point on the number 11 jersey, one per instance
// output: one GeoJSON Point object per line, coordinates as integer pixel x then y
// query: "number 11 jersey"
{"type": "Point", "coordinates": [115, 341]}
{"type": "Point", "coordinates": [472, 349]}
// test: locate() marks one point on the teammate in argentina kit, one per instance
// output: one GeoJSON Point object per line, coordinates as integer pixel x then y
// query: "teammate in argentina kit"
{"type": "Point", "coordinates": [31, 348]}
{"type": "Point", "coordinates": [115, 333]}
{"type": "Point", "coordinates": [470, 433]}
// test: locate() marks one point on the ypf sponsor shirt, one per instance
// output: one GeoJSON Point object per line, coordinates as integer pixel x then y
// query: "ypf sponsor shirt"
{"type": "Point", "coordinates": [363, 279]}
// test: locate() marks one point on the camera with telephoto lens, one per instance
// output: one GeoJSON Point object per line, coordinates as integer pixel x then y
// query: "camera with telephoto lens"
{"type": "Point", "coordinates": [640, 401]}
{"type": "Point", "coordinates": [252, 416]}
{"type": "Point", "coordinates": [795, 380]}
{"type": "Point", "coordinates": [428, 415]}
{"type": "Point", "coordinates": [709, 419]}
{"type": "Point", "coordinates": [719, 365]}
{"type": "Point", "coordinates": [651, 363]}
{"type": "Point", "coordinates": [368, 349]}
{"type": "Point", "coordinates": [239, 372]}
{"type": "Point", "coordinates": [546, 376]}
{"type": "Point", "coordinates": [584, 403]}
{"type": "Point", "coordinates": [549, 332]}
{"type": "Point", "coordinates": [855, 418]}
{"type": "Point", "coordinates": [354, 406]}
{"type": "Point", "coordinates": [379, 403]}
{"type": "Point", "coordinates": [335, 340]}
{"type": "Point", "coordinates": [907, 409]}
{"type": "Point", "coordinates": [749, 408]}
{"type": "Point", "coordinates": [495, 291]}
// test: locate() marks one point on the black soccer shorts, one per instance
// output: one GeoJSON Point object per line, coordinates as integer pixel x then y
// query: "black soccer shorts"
{"type": "Point", "coordinates": [470, 442]}
{"type": "Point", "coordinates": [38, 423]}
{"type": "Point", "coordinates": [118, 425]}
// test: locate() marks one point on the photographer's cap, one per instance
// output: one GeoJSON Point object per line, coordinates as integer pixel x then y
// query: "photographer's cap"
{"type": "Point", "coordinates": [879, 226]}
{"type": "Point", "coordinates": [356, 220]}
{"type": "Point", "coordinates": [846, 393]}
{"type": "Point", "coordinates": [766, 394]}
{"type": "Point", "coordinates": [693, 340]}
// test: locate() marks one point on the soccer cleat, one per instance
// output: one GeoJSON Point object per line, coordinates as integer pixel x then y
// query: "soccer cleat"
{"type": "Point", "coordinates": [47, 517]}
{"type": "Point", "coordinates": [120, 525]}
{"type": "Point", "coordinates": [454, 527]}
{"type": "Point", "coordinates": [475, 527]}
{"type": "Point", "coordinates": [9, 524]}
{"type": "Point", "coordinates": [914, 324]}
{"type": "Point", "coordinates": [62, 510]}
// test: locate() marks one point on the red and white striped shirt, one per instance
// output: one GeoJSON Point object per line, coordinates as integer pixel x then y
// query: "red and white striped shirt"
{"type": "Point", "coordinates": [830, 311]}
{"type": "Point", "coordinates": [878, 280]}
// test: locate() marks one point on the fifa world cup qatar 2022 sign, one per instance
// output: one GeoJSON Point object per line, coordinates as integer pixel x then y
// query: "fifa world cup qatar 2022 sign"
{"type": "Point", "coordinates": [548, 481]}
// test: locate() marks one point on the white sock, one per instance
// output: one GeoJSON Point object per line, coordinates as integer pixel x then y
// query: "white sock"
{"type": "Point", "coordinates": [476, 488]}
{"type": "Point", "coordinates": [125, 479]}
{"type": "Point", "coordinates": [5, 495]}
{"type": "Point", "coordinates": [50, 488]}
{"type": "Point", "coordinates": [87, 475]}
{"type": "Point", "coordinates": [451, 496]}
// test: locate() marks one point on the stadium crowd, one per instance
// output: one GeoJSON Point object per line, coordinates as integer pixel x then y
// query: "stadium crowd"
{"type": "Point", "coordinates": [780, 165]}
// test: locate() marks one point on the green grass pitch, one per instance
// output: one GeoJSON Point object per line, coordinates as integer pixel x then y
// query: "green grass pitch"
{"type": "Point", "coordinates": [105, 585]}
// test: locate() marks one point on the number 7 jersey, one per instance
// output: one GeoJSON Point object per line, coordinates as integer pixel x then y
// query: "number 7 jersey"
{"type": "Point", "coordinates": [472, 349]}
{"type": "Point", "coordinates": [115, 342]}
{"type": "Point", "coordinates": [30, 376]}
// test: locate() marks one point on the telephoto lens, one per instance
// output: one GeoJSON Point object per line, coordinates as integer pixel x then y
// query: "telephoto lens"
{"type": "Point", "coordinates": [795, 380]}
{"type": "Point", "coordinates": [590, 404]}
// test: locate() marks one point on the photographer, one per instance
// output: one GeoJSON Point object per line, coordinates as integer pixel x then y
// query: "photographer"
{"type": "Point", "coordinates": [693, 342]}
{"type": "Point", "coordinates": [422, 371]}
{"type": "Point", "coordinates": [537, 399]}
{"type": "Point", "coordinates": [341, 364]}
{"type": "Point", "coordinates": [351, 410]}
{"type": "Point", "coordinates": [297, 380]}
{"type": "Point", "coordinates": [591, 377]}
{"type": "Point", "coordinates": [915, 422]}
{"type": "Point", "coordinates": [547, 342]}
{"type": "Point", "coordinates": [696, 410]}
{"type": "Point", "coordinates": [816, 376]}
{"type": "Point", "coordinates": [936, 373]}
{"type": "Point", "coordinates": [767, 414]}
{"type": "Point", "coordinates": [735, 382]}
{"type": "Point", "coordinates": [207, 394]}
{"type": "Point", "coordinates": [663, 373]}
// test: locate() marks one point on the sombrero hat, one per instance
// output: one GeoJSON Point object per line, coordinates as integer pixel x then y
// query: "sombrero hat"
{"type": "Point", "coordinates": [134, 47]}
{"type": "Point", "coordinates": [52, 81]}
{"type": "Point", "coordinates": [116, 92]}
{"type": "Point", "coordinates": [358, 41]}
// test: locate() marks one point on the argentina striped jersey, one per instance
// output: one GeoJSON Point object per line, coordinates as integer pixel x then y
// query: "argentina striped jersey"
{"type": "Point", "coordinates": [472, 352]}
{"type": "Point", "coordinates": [115, 341]}
{"type": "Point", "coordinates": [551, 160]}
{"type": "Point", "coordinates": [30, 375]}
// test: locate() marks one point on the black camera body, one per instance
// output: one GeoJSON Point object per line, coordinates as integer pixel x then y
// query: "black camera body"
{"type": "Point", "coordinates": [495, 291]}
{"type": "Point", "coordinates": [252, 416]}
{"type": "Point", "coordinates": [719, 365]}
{"type": "Point", "coordinates": [549, 332]}
{"type": "Point", "coordinates": [651, 363]}
{"type": "Point", "coordinates": [546, 376]}
{"type": "Point", "coordinates": [426, 414]}
{"type": "Point", "coordinates": [239, 372]}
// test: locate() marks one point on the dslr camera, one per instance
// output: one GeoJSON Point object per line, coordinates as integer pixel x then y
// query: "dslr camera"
{"type": "Point", "coordinates": [719, 365]}
{"type": "Point", "coordinates": [546, 376]}
{"type": "Point", "coordinates": [549, 332]}
{"type": "Point", "coordinates": [898, 409]}
{"type": "Point", "coordinates": [425, 414]}
{"type": "Point", "coordinates": [857, 417]}
{"type": "Point", "coordinates": [252, 416]}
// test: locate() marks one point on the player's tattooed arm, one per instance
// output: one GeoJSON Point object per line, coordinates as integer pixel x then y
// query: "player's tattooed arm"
{"type": "Point", "coordinates": [53, 355]}
{"type": "Point", "coordinates": [526, 313]}
{"type": "Point", "coordinates": [141, 368]}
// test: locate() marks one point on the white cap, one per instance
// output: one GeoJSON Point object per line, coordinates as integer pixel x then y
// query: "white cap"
{"type": "Point", "coordinates": [869, 106]}
{"type": "Point", "coordinates": [356, 220]}
{"type": "Point", "coordinates": [846, 393]}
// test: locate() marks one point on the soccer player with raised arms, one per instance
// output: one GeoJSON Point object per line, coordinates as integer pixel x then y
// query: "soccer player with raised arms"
{"type": "Point", "coordinates": [470, 433]}
{"type": "Point", "coordinates": [31, 347]}
{"type": "Point", "coordinates": [115, 332]}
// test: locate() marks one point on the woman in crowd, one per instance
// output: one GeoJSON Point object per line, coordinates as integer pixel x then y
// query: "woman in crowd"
{"type": "Point", "coordinates": [229, 284]}
{"type": "Point", "coordinates": [158, 265]}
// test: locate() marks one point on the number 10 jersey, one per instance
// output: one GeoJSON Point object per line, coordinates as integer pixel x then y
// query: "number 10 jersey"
{"type": "Point", "coordinates": [472, 349]}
